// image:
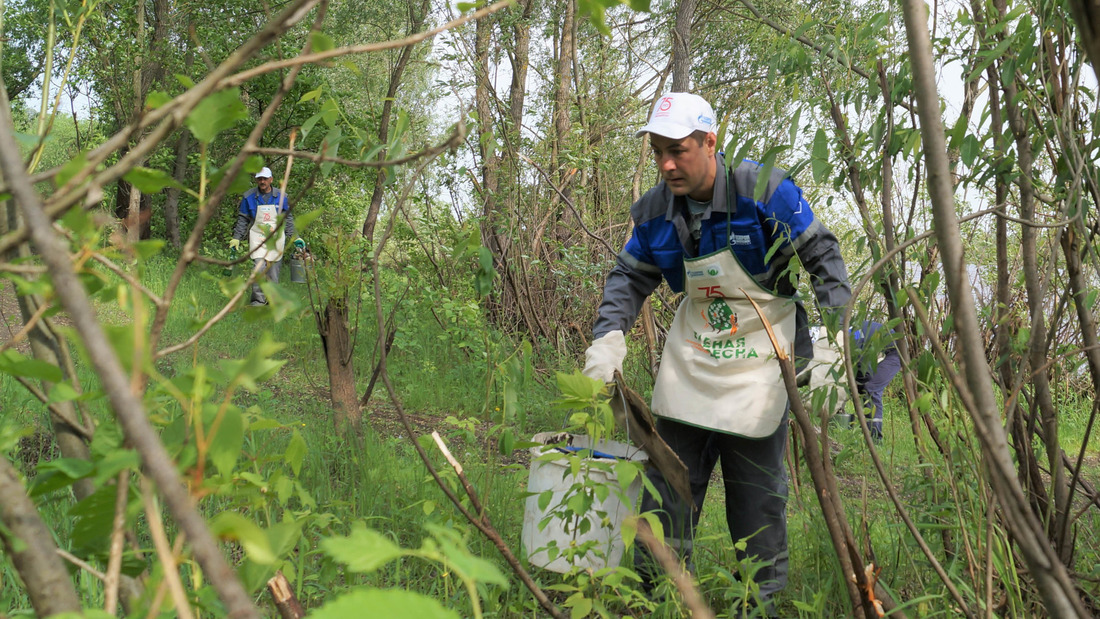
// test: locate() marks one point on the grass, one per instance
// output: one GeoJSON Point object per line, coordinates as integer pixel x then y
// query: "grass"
{"type": "Point", "coordinates": [457, 371]}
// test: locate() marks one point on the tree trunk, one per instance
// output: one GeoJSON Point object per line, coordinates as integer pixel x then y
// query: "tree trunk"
{"type": "Point", "coordinates": [172, 202]}
{"type": "Point", "coordinates": [336, 341]}
{"type": "Point", "coordinates": [134, 229]}
{"type": "Point", "coordinates": [416, 25]}
{"type": "Point", "coordinates": [681, 46]}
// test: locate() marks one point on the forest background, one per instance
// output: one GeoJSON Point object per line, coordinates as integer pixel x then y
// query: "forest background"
{"type": "Point", "coordinates": [463, 176]}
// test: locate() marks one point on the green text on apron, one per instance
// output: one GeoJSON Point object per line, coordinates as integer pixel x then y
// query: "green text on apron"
{"type": "Point", "coordinates": [267, 215]}
{"type": "Point", "coordinates": [719, 369]}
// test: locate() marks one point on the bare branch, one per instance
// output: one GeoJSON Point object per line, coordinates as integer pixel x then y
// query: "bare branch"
{"type": "Point", "coordinates": [682, 579]}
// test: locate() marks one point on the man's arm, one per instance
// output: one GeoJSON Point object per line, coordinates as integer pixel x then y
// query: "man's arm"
{"type": "Point", "coordinates": [821, 258]}
{"type": "Point", "coordinates": [817, 247]}
{"type": "Point", "coordinates": [288, 224]}
{"type": "Point", "coordinates": [628, 285]}
{"type": "Point", "coordinates": [244, 220]}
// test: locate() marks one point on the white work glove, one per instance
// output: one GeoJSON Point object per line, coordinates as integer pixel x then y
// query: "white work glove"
{"type": "Point", "coordinates": [829, 360]}
{"type": "Point", "coordinates": [604, 356]}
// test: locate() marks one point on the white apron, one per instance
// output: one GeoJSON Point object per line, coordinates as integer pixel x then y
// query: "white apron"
{"type": "Point", "coordinates": [719, 369]}
{"type": "Point", "coordinates": [267, 216]}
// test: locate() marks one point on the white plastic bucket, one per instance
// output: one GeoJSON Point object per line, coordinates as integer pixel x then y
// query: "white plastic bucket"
{"type": "Point", "coordinates": [554, 475]}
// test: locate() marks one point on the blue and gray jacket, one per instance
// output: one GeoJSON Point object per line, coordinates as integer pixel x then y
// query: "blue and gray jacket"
{"type": "Point", "coordinates": [246, 213]}
{"type": "Point", "coordinates": [662, 239]}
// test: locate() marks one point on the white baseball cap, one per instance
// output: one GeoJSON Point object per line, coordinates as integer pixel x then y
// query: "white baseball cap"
{"type": "Point", "coordinates": [679, 114]}
{"type": "Point", "coordinates": [264, 173]}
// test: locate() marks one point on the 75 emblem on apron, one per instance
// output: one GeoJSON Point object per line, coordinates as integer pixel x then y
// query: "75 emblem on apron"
{"type": "Point", "coordinates": [718, 368]}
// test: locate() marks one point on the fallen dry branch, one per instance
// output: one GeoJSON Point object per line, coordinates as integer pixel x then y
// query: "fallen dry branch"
{"type": "Point", "coordinates": [667, 558]}
{"type": "Point", "coordinates": [283, 596]}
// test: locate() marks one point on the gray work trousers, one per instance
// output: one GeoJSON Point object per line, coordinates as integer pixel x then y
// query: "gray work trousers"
{"type": "Point", "coordinates": [755, 479]}
{"type": "Point", "coordinates": [871, 384]}
{"type": "Point", "coordinates": [258, 297]}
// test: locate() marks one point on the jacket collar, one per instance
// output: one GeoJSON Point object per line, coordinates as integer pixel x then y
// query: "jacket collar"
{"type": "Point", "coordinates": [676, 204]}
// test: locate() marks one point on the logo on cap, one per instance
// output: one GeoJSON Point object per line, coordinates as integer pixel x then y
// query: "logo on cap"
{"type": "Point", "coordinates": [666, 103]}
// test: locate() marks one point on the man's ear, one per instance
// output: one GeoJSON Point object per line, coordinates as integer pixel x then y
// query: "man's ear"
{"type": "Point", "coordinates": [711, 142]}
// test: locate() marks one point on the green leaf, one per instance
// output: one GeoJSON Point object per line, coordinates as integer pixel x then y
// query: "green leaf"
{"type": "Point", "coordinates": [321, 42]}
{"type": "Point", "coordinates": [243, 181]}
{"type": "Point", "coordinates": [308, 124]}
{"type": "Point", "coordinates": [115, 462]}
{"type": "Point", "coordinates": [577, 385]}
{"type": "Point", "coordinates": [71, 169]}
{"type": "Point", "coordinates": [231, 525]}
{"type": "Point", "coordinates": [625, 472]}
{"type": "Point", "coordinates": [468, 565]}
{"type": "Point", "coordinates": [310, 96]}
{"type": "Point", "coordinates": [216, 113]}
{"type": "Point", "coordinates": [820, 162]}
{"type": "Point", "coordinates": [185, 81]}
{"type": "Point", "coordinates": [301, 222]}
{"type": "Point", "coordinates": [93, 517]}
{"type": "Point", "coordinates": [63, 392]}
{"type": "Point", "coordinates": [148, 248]}
{"type": "Point", "coordinates": [156, 99]}
{"type": "Point", "coordinates": [283, 536]}
{"type": "Point", "coordinates": [16, 364]}
{"type": "Point", "coordinates": [74, 468]}
{"type": "Point", "coordinates": [295, 452]}
{"type": "Point", "coordinates": [258, 366]}
{"type": "Point", "coordinates": [483, 281]}
{"type": "Point", "coordinates": [149, 180]}
{"type": "Point", "coordinates": [767, 164]}
{"type": "Point", "coordinates": [26, 140]}
{"type": "Point", "coordinates": [225, 445]}
{"type": "Point", "coordinates": [365, 550]}
{"type": "Point", "coordinates": [595, 10]}
{"type": "Point", "coordinates": [581, 606]}
{"type": "Point", "coordinates": [796, 123]}
{"type": "Point", "coordinates": [390, 603]}
{"type": "Point", "coordinates": [970, 150]}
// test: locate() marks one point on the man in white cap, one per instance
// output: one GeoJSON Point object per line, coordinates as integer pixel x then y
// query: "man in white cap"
{"type": "Point", "coordinates": [719, 394]}
{"type": "Point", "coordinates": [257, 217]}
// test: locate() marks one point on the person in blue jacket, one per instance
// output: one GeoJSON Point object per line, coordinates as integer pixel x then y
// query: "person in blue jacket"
{"type": "Point", "coordinates": [719, 395]}
{"type": "Point", "coordinates": [257, 218]}
{"type": "Point", "coordinates": [876, 361]}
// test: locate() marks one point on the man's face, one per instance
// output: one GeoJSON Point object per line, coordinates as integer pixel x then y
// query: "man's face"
{"type": "Point", "coordinates": [264, 184]}
{"type": "Point", "coordinates": [686, 165]}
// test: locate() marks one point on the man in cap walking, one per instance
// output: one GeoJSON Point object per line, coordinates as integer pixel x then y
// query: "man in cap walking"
{"type": "Point", "coordinates": [258, 218]}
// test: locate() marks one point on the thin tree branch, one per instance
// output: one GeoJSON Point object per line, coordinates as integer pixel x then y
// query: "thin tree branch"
{"type": "Point", "coordinates": [114, 562]}
{"type": "Point", "coordinates": [316, 57]}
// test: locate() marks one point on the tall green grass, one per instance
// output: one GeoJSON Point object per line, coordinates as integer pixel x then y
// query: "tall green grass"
{"type": "Point", "coordinates": [447, 371]}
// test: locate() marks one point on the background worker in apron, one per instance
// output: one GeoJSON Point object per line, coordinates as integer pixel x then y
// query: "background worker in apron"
{"type": "Point", "coordinates": [719, 395]}
{"type": "Point", "coordinates": [876, 362]}
{"type": "Point", "coordinates": [257, 217]}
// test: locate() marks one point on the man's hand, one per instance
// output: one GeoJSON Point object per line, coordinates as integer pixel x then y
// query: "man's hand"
{"type": "Point", "coordinates": [604, 356]}
{"type": "Point", "coordinates": [235, 244]}
{"type": "Point", "coordinates": [299, 243]}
